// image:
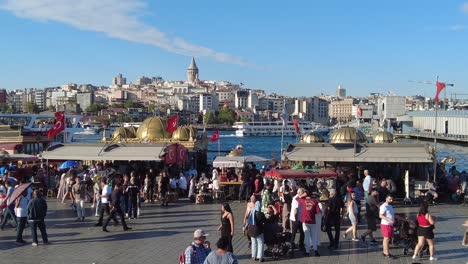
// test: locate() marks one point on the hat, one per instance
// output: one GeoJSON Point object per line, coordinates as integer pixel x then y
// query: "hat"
{"type": "Point", "coordinates": [199, 233]}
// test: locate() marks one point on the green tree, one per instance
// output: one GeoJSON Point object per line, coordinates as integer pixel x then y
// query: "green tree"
{"type": "Point", "coordinates": [151, 108]}
{"type": "Point", "coordinates": [130, 104]}
{"type": "Point", "coordinates": [31, 108]}
{"type": "Point", "coordinates": [227, 116]}
{"type": "Point", "coordinates": [4, 107]}
{"type": "Point", "coordinates": [117, 105]}
{"type": "Point", "coordinates": [209, 118]}
{"type": "Point", "coordinates": [92, 108]}
{"type": "Point", "coordinates": [244, 119]}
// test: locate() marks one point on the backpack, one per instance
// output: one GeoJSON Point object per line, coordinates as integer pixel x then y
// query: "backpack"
{"type": "Point", "coordinates": [182, 254]}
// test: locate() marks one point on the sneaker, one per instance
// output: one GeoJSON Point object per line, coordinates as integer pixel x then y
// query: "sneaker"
{"type": "Point", "coordinates": [20, 242]}
{"type": "Point", "coordinates": [374, 242]}
{"type": "Point", "coordinates": [363, 238]}
{"type": "Point", "coordinates": [34, 244]}
{"type": "Point", "coordinates": [345, 235]}
{"type": "Point", "coordinates": [432, 258]}
{"type": "Point", "coordinates": [415, 257]}
{"type": "Point", "coordinates": [355, 239]}
{"type": "Point", "coordinates": [317, 254]}
{"type": "Point", "coordinates": [92, 206]}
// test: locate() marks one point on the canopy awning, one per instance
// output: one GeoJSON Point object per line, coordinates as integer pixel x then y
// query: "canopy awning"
{"type": "Point", "coordinates": [300, 174]}
{"type": "Point", "coordinates": [235, 162]}
{"type": "Point", "coordinates": [399, 153]}
{"type": "Point", "coordinates": [105, 152]}
{"type": "Point", "coordinates": [16, 157]}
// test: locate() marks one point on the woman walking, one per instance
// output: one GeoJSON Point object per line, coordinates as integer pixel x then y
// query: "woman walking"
{"type": "Point", "coordinates": [425, 232]}
{"type": "Point", "coordinates": [227, 225]}
{"type": "Point", "coordinates": [352, 215]}
{"type": "Point", "coordinates": [255, 230]}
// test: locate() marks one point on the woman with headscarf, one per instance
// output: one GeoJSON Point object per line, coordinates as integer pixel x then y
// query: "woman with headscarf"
{"type": "Point", "coordinates": [227, 224]}
{"type": "Point", "coordinates": [255, 229]}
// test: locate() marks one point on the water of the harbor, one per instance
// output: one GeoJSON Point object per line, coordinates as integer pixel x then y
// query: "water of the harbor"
{"type": "Point", "coordinates": [270, 147]}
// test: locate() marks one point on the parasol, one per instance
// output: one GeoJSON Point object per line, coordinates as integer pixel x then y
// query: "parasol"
{"type": "Point", "coordinates": [18, 191]}
{"type": "Point", "coordinates": [68, 164]}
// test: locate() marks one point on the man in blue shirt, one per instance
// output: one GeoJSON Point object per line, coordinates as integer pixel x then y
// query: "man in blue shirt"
{"type": "Point", "coordinates": [197, 252]}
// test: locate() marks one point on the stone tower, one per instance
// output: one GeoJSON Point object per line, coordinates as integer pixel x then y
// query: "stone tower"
{"type": "Point", "coordinates": [192, 72]}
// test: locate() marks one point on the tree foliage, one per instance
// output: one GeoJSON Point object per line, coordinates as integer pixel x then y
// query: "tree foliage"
{"type": "Point", "coordinates": [31, 108]}
{"type": "Point", "coordinates": [227, 116]}
{"type": "Point", "coordinates": [210, 118]}
{"type": "Point", "coordinates": [94, 108]}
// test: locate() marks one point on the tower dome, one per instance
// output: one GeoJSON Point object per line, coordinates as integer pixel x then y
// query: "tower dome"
{"type": "Point", "coordinates": [312, 137]}
{"type": "Point", "coordinates": [181, 134]}
{"type": "Point", "coordinates": [346, 135]}
{"type": "Point", "coordinates": [383, 137]}
{"type": "Point", "coordinates": [192, 72]}
{"type": "Point", "coordinates": [123, 133]}
{"type": "Point", "coordinates": [153, 128]}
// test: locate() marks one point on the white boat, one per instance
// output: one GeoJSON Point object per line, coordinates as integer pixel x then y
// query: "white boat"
{"type": "Point", "coordinates": [275, 128]}
{"type": "Point", "coordinates": [41, 123]}
{"type": "Point", "coordinates": [129, 124]}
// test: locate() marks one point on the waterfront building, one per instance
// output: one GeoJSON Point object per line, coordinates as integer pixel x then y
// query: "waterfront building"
{"type": "Point", "coordinates": [454, 123]}
{"type": "Point", "coordinates": [341, 110]}
{"type": "Point", "coordinates": [313, 109]}
{"type": "Point", "coordinates": [3, 96]}
{"type": "Point", "coordinates": [208, 102]}
{"type": "Point", "coordinates": [84, 100]}
{"type": "Point", "coordinates": [390, 107]}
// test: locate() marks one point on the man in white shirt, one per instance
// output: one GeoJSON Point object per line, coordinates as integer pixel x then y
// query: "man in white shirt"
{"type": "Point", "coordinates": [367, 184]}
{"type": "Point", "coordinates": [295, 217]}
{"type": "Point", "coordinates": [105, 196]}
{"type": "Point", "coordinates": [387, 214]}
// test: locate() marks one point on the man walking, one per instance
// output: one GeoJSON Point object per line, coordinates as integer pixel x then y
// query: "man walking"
{"type": "Point", "coordinates": [296, 224]}
{"type": "Point", "coordinates": [37, 211]}
{"type": "Point", "coordinates": [197, 252]}
{"type": "Point", "coordinates": [333, 218]}
{"type": "Point", "coordinates": [79, 196]}
{"type": "Point", "coordinates": [116, 209]}
{"type": "Point", "coordinates": [372, 212]}
{"type": "Point", "coordinates": [105, 196]}
{"type": "Point", "coordinates": [387, 214]}
{"type": "Point", "coordinates": [244, 193]}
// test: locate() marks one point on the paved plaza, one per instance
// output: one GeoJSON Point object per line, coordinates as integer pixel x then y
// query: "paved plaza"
{"type": "Point", "coordinates": [162, 233]}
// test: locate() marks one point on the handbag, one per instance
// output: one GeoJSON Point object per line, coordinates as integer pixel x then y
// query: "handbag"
{"type": "Point", "coordinates": [253, 230]}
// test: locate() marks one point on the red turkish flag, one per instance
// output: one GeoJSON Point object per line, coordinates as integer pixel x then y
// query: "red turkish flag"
{"type": "Point", "coordinates": [172, 123]}
{"type": "Point", "coordinates": [215, 136]}
{"type": "Point", "coordinates": [296, 125]}
{"type": "Point", "coordinates": [440, 86]}
{"type": "Point", "coordinates": [359, 111]}
{"type": "Point", "coordinates": [59, 125]}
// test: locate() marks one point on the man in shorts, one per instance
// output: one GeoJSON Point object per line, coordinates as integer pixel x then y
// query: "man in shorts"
{"type": "Point", "coordinates": [372, 212]}
{"type": "Point", "coordinates": [387, 214]}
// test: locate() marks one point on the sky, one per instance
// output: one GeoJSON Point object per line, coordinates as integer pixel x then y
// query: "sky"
{"type": "Point", "coordinates": [296, 48]}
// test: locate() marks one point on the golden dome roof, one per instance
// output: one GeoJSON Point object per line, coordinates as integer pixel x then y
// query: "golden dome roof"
{"type": "Point", "coordinates": [347, 135]}
{"type": "Point", "coordinates": [4, 153]}
{"type": "Point", "coordinates": [181, 134]}
{"type": "Point", "coordinates": [132, 129]}
{"type": "Point", "coordinates": [312, 137]}
{"type": "Point", "coordinates": [383, 137]}
{"type": "Point", "coordinates": [123, 133]}
{"type": "Point", "coordinates": [193, 131]}
{"type": "Point", "coordinates": [153, 128]}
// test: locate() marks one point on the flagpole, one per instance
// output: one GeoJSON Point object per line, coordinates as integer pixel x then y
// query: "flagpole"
{"type": "Point", "coordinates": [435, 136]}
{"type": "Point", "coordinates": [219, 146]}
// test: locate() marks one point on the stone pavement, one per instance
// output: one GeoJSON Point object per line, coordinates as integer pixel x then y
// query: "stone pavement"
{"type": "Point", "coordinates": [162, 233]}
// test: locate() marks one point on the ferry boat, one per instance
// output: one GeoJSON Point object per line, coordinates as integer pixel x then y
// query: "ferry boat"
{"type": "Point", "coordinates": [39, 124]}
{"type": "Point", "coordinates": [275, 128]}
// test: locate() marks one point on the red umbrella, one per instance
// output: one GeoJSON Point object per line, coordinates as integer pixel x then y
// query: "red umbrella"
{"type": "Point", "coordinates": [18, 191]}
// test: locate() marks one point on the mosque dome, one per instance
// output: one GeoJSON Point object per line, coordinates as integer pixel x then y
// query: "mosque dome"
{"type": "Point", "coordinates": [193, 131]}
{"type": "Point", "coordinates": [312, 137]}
{"type": "Point", "coordinates": [132, 129]}
{"type": "Point", "coordinates": [4, 153]}
{"type": "Point", "coordinates": [346, 135]}
{"type": "Point", "coordinates": [383, 137]}
{"type": "Point", "coordinates": [123, 133]}
{"type": "Point", "coordinates": [181, 134]}
{"type": "Point", "coordinates": [153, 128]}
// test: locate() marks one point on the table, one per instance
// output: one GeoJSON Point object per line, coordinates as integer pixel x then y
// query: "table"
{"type": "Point", "coordinates": [233, 189]}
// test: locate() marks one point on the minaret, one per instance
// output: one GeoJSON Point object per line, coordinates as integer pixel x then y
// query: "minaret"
{"type": "Point", "coordinates": [192, 72]}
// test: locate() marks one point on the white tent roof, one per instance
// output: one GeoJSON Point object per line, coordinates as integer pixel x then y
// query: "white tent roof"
{"type": "Point", "coordinates": [236, 162]}
{"type": "Point", "coordinates": [105, 152]}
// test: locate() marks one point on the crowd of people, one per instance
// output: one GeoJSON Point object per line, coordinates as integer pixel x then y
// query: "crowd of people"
{"type": "Point", "coordinates": [274, 207]}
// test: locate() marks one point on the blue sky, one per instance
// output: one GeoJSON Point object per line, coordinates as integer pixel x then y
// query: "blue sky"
{"type": "Point", "coordinates": [293, 48]}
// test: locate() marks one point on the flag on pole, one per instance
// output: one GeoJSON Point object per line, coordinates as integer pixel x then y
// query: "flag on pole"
{"type": "Point", "coordinates": [59, 125]}
{"type": "Point", "coordinates": [172, 123]}
{"type": "Point", "coordinates": [440, 86]}
{"type": "Point", "coordinates": [215, 136]}
{"type": "Point", "coordinates": [359, 111]}
{"type": "Point", "coordinates": [296, 125]}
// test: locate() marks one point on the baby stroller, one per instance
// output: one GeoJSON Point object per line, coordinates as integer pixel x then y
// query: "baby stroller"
{"type": "Point", "coordinates": [278, 245]}
{"type": "Point", "coordinates": [409, 235]}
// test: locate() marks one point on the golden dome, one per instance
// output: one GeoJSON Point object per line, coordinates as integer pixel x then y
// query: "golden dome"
{"type": "Point", "coordinates": [312, 137]}
{"type": "Point", "coordinates": [4, 153]}
{"type": "Point", "coordinates": [153, 128]}
{"type": "Point", "coordinates": [193, 131]}
{"type": "Point", "coordinates": [347, 135]}
{"type": "Point", "coordinates": [132, 129]}
{"type": "Point", "coordinates": [123, 133]}
{"type": "Point", "coordinates": [383, 137]}
{"type": "Point", "coordinates": [182, 134]}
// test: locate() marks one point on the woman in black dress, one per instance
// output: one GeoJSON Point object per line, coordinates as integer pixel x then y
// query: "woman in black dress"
{"type": "Point", "coordinates": [227, 224]}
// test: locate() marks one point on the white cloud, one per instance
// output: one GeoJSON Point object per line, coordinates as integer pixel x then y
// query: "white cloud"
{"type": "Point", "coordinates": [115, 18]}
{"type": "Point", "coordinates": [457, 27]}
{"type": "Point", "coordinates": [464, 7]}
